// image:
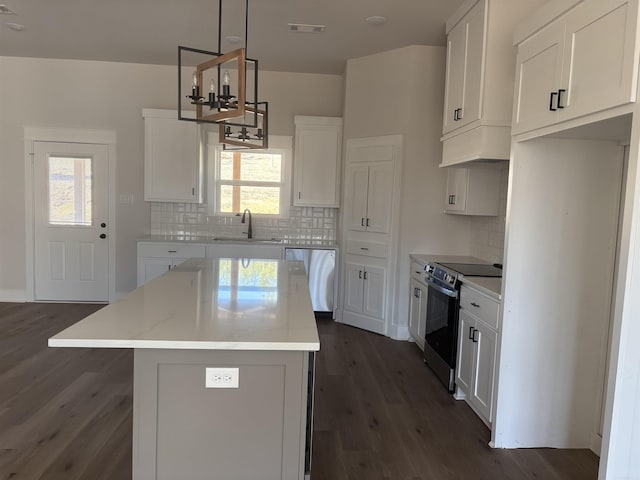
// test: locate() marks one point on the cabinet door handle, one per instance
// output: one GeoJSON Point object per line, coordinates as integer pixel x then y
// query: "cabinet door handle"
{"type": "Point", "coordinates": [366, 249]}
{"type": "Point", "coordinates": [360, 274]}
{"type": "Point", "coordinates": [362, 222]}
{"type": "Point", "coordinates": [455, 115]}
{"type": "Point", "coordinates": [560, 92]}
{"type": "Point", "coordinates": [452, 199]}
{"type": "Point", "coordinates": [475, 340]}
{"type": "Point", "coordinates": [470, 333]}
{"type": "Point", "coordinates": [368, 219]}
{"type": "Point", "coordinates": [553, 95]}
{"type": "Point", "coordinates": [168, 267]}
{"type": "Point", "coordinates": [299, 195]}
{"type": "Point", "coordinates": [473, 304]}
{"type": "Point", "coordinates": [193, 192]}
{"type": "Point", "coordinates": [460, 114]}
{"type": "Point", "coordinates": [418, 293]}
{"type": "Point", "coordinates": [171, 251]}
{"type": "Point", "coordinates": [365, 275]}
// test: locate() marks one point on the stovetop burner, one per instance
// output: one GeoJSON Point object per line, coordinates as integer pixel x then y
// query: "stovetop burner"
{"type": "Point", "coordinates": [474, 269]}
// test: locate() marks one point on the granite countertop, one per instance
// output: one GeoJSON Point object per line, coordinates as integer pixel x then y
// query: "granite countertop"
{"type": "Point", "coordinates": [491, 286]}
{"type": "Point", "coordinates": [208, 240]}
{"type": "Point", "coordinates": [212, 304]}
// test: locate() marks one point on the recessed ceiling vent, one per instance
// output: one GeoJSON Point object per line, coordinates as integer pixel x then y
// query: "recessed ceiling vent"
{"type": "Point", "coordinates": [4, 10]}
{"type": "Point", "coordinates": [304, 28]}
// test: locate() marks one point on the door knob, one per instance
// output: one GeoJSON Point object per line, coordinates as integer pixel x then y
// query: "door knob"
{"type": "Point", "coordinates": [103, 225]}
{"type": "Point", "coordinates": [103, 235]}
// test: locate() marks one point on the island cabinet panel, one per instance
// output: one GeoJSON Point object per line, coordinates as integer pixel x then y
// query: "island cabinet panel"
{"type": "Point", "coordinates": [184, 430]}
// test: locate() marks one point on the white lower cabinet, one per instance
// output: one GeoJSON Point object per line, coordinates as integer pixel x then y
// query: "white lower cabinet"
{"type": "Point", "coordinates": [245, 250]}
{"type": "Point", "coordinates": [476, 360]}
{"type": "Point", "coordinates": [364, 289]}
{"type": "Point", "coordinates": [155, 258]}
{"type": "Point", "coordinates": [418, 312]}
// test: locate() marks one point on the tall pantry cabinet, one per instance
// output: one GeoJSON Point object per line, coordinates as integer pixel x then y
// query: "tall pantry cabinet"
{"type": "Point", "coordinates": [371, 194]}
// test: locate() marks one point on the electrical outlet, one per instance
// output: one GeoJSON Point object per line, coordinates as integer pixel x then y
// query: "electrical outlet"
{"type": "Point", "coordinates": [216, 377]}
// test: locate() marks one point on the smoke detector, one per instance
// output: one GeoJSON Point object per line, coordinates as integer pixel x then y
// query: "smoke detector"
{"type": "Point", "coordinates": [305, 28]}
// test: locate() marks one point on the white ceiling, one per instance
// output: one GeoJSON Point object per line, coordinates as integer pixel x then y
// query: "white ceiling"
{"type": "Point", "coordinates": [149, 31]}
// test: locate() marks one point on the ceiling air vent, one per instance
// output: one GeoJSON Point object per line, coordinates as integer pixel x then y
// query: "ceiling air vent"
{"type": "Point", "coordinates": [304, 28]}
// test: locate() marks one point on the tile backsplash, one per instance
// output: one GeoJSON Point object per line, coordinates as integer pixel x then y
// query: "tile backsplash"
{"type": "Point", "coordinates": [188, 219]}
{"type": "Point", "coordinates": [487, 233]}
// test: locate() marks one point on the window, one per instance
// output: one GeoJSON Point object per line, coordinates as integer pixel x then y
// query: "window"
{"type": "Point", "coordinates": [255, 179]}
{"type": "Point", "coordinates": [70, 191]}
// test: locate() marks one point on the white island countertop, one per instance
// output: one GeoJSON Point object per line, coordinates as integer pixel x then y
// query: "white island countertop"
{"type": "Point", "coordinates": [207, 304]}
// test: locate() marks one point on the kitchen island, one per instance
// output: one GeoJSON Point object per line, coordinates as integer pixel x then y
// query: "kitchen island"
{"type": "Point", "coordinates": [223, 362]}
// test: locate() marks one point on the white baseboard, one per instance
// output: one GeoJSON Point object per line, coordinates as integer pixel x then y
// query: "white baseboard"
{"type": "Point", "coordinates": [401, 333]}
{"type": "Point", "coordinates": [596, 443]}
{"type": "Point", "coordinates": [17, 296]}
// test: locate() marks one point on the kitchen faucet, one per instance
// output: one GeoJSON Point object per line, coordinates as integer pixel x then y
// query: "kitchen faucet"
{"type": "Point", "coordinates": [242, 220]}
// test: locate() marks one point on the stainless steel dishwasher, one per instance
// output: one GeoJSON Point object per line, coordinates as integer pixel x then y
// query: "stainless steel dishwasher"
{"type": "Point", "coordinates": [320, 266]}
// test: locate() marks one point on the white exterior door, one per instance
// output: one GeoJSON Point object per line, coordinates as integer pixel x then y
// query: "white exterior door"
{"type": "Point", "coordinates": [71, 199]}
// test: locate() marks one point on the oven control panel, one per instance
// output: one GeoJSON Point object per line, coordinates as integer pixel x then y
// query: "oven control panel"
{"type": "Point", "coordinates": [441, 274]}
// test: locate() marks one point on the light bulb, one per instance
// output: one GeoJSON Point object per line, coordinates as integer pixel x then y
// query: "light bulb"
{"type": "Point", "coordinates": [212, 88]}
{"type": "Point", "coordinates": [227, 78]}
{"type": "Point", "coordinates": [195, 79]}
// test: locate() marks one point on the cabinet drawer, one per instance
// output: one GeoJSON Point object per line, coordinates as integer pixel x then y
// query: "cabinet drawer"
{"type": "Point", "coordinates": [417, 271]}
{"type": "Point", "coordinates": [171, 250]}
{"type": "Point", "coordinates": [483, 307]}
{"type": "Point", "coordinates": [370, 249]}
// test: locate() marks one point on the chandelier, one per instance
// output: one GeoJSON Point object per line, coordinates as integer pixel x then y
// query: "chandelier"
{"type": "Point", "coordinates": [231, 98]}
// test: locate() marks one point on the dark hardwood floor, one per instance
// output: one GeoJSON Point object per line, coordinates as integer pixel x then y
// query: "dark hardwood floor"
{"type": "Point", "coordinates": [380, 413]}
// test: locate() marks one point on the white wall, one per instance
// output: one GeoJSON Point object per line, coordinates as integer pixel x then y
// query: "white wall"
{"type": "Point", "coordinates": [402, 92]}
{"type": "Point", "coordinates": [560, 254]}
{"type": "Point", "coordinates": [103, 95]}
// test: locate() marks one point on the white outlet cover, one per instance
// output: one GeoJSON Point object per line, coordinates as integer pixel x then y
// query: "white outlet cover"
{"type": "Point", "coordinates": [222, 377]}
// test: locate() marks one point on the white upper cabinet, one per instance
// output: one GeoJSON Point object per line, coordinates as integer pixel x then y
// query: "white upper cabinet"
{"type": "Point", "coordinates": [473, 191]}
{"type": "Point", "coordinates": [316, 168]}
{"type": "Point", "coordinates": [465, 44]}
{"type": "Point", "coordinates": [479, 79]}
{"type": "Point", "coordinates": [172, 162]}
{"type": "Point", "coordinates": [369, 197]}
{"type": "Point", "coordinates": [581, 62]}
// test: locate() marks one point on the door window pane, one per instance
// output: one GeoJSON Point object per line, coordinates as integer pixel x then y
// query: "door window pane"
{"type": "Point", "coordinates": [70, 191]}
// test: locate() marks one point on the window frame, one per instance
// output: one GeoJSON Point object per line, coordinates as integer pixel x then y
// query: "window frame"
{"type": "Point", "coordinates": [278, 144]}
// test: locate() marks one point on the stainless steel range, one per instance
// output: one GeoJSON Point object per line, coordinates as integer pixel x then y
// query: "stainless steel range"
{"type": "Point", "coordinates": [443, 303]}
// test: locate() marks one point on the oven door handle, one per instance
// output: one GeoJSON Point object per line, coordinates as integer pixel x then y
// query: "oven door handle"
{"type": "Point", "coordinates": [438, 288]}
